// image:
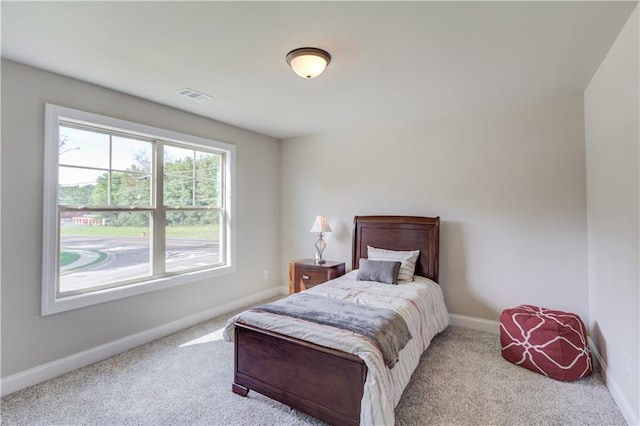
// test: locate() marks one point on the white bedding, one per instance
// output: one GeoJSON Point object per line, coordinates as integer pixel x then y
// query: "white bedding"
{"type": "Point", "coordinates": [421, 305]}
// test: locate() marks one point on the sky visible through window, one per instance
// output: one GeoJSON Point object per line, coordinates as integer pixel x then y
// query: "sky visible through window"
{"type": "Point", "coordinates": [87, 151]}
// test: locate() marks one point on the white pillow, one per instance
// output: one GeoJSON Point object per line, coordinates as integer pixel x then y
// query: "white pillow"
{"type": "Point", "coordinates": [407, 260]}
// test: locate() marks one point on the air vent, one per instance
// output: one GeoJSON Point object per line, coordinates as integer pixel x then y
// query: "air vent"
{"type": "Point", "coordinates": [192, 94]}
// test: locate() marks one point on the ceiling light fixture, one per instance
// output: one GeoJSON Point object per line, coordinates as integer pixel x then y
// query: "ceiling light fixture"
{"type": "Point", "coordinates": [308, 62]}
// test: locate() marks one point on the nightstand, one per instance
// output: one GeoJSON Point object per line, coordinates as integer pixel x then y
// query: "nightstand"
{"type": "Point", "coordinates": [304, 273]}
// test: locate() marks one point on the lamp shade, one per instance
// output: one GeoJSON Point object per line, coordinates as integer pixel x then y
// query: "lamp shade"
{"type": "Point", "coordinates": [308, 62]}
{"type": "Point", "coordinates": [321, 225]}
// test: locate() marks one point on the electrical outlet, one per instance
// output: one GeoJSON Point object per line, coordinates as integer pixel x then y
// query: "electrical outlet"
{"type": "Point", "coordinates": [265, 274]}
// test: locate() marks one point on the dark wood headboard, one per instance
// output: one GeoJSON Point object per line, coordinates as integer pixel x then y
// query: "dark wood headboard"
{"type": "Point", "coordinates": [399, 233]}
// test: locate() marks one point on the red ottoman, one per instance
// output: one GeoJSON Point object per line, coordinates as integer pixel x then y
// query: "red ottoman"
{"type": "Point", "coordinates": [553, 343]}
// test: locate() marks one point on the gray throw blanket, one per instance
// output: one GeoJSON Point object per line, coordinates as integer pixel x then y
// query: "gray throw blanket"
{"type": "Point", "coordinates": [387, 328]}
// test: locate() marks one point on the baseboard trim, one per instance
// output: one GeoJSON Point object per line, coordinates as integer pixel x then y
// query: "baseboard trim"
{"type": "Point", "coordinates": [475, 323]}
{"type": "Point", "coordinates": [32, 376]}
{"type": "Point", "coordinates": [625, 407]}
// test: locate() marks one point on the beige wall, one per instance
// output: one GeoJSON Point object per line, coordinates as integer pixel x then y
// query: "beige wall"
{"type": "Point", "coordinates": [612, 137]}
{"type": "Point", "coordinates": [508, 185]}
{"type": "Point", "coordinates": [29, 340]}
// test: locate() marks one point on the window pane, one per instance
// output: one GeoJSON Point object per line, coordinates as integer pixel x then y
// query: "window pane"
{"type": "Point", "coordinates": [83, 148]}
{"type": "Point", "coordinates": [82, 187]}
{"type": "Point", "coordinates": [99, 249]}
{"type": "Point", "coordinates": [179, 175]}
{"type": "Point", "coordinates": [193, 240]}
{"type": "Point", "coordinates": [208, 179]}
{"type": "Point", "coordinates": [130, 155]}
{"type": "Point", "coordinates": [191, 184]}
{"type": "Point", "coordinates": [130, 189]}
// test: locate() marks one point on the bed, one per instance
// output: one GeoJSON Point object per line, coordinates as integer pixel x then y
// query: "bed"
{"type": "Point", "coordinates": [336, 375]}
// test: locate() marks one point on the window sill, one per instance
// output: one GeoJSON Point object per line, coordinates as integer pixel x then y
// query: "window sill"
{"type": "Point", "coordinates": [53, 305]}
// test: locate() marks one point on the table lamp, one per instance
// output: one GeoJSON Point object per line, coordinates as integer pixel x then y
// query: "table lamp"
{"type": "Point", "coordinates": [320, 225]}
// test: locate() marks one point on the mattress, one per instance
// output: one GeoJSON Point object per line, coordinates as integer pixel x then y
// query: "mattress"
{"type": "Point", "coordinates": [421, 305]}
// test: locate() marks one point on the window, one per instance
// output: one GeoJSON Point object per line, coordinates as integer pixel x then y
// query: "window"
{"type": "Point", "coordinates": [130, 208]}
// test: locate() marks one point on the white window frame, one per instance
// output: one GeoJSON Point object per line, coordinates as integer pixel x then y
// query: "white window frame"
{"type": "Point", "coordinates": [53, 303]}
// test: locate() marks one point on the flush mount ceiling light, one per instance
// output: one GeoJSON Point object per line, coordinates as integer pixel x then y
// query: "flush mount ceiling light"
{"type": "Point", "coordinates": [308, 62]}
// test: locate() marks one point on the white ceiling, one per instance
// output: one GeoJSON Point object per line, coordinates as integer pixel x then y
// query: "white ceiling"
{"type": "Point", "coordinates": [390, 60]}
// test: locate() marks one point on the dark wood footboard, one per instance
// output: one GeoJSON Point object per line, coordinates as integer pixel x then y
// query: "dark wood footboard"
{"type": "Point", "coordinates": [325, 383]}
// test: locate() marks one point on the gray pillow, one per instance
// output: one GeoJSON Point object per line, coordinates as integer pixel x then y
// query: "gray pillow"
{"type": "Point", "coordinates": [382, 271]}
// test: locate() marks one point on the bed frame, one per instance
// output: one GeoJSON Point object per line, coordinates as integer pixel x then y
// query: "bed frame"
{"type": "Point", "coordinates": [323, 382]}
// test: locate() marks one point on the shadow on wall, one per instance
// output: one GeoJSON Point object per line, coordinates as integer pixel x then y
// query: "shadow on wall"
{"type": "Point", "coordinates": [343, 237]}
{"type": "Point", "coordinates": [599, 342]}
{"type": "Point", "coordinates": [458, 295]}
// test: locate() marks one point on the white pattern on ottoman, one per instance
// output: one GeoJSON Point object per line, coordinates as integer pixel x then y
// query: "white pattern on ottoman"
{"type": "Point", "coordinates": [553, 343]}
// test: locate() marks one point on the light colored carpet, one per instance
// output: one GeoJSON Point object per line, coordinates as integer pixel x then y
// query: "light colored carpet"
{"type": "Point", "coordinates": [185, 379]}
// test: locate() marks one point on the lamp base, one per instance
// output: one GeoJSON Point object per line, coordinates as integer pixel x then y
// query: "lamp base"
{"type": "Point", "coordinates": [320, 245]}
